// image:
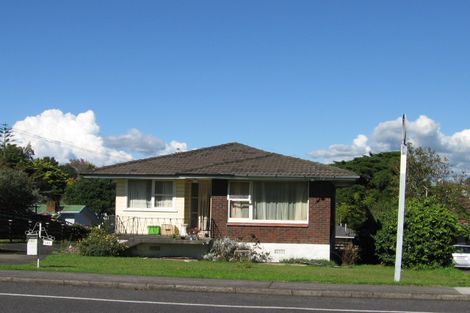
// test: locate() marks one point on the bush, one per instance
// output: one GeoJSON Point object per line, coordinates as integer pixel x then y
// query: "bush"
{"type": "Point", "coordinates": [349, 255]}
{"type": "Point", "coordinates": [99, 243]}
{"type": "Point", "coordinates": [226, 249]}
{"type": "Point", "coordinates": [75, 232]}
{"type": "Point", "coordinates": [430, 232]}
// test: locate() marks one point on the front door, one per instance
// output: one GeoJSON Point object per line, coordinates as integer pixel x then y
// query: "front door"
{"type": "Point", "coordinates": [194, 205]}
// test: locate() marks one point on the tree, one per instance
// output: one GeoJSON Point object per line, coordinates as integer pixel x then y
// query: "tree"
{"type": "Point", "coordinates": [6, 135]}
{"type": "Point", "coordinates": [16, 192]}
{"type": "Point", "coordinates": [48, 178]}
{"type": "Point", "coordinates": [78, 166]}
{"type": "Point", "coordinates": [97, 194]}
{"type": "Point", "coordinates": [13, 156]}
{"type": "Point", "coordinates": [431, 175]}
{"type": "Point", "coordinates": [430, 231]}
{"type": "Point", "coordinates": [426, 170]}
{"type": "Point", "coordinates": [363, 204]}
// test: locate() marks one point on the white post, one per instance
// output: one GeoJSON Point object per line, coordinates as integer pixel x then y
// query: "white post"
{"type": "Point", "coordinates": [39, 242]}
{"type": "Point", "coordinates": [401, 205]}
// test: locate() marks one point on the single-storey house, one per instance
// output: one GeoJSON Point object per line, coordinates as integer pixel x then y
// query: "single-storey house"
{"type": "Point", "coordinates": [232, 190]}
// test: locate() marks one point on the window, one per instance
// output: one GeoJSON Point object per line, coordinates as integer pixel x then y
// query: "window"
{"type": "Point", "coordinates": [239, 200]}
{"type": "Point", "coordinates": [139, 193]}
{"type": "Point", "coordinates": [268, 201]}
{"type": "Point", "coordinates": [163, 194]}
{"type": "Point", "coordinates": [285, 201]}
{"type": "Point", "coordinates": [148, 194]}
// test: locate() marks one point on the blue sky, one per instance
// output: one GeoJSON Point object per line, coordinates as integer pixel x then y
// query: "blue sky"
{"type": "Point", "coordinates": [293, 77]}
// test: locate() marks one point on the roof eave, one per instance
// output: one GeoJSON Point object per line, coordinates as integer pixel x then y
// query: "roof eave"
{"type": "Point", "coordinates": [337, 179]}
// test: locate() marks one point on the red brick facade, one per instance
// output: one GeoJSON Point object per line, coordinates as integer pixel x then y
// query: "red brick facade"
{"type": "Point", "coordinates": [317, 231]}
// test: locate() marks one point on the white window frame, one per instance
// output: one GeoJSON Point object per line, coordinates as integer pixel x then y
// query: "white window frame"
{"type": "Point", "coordinates": [251, 220]}
{"type": "Point", "coordinates": [235, 199]}
{"type": "Point", "coordinates": [153, 208]}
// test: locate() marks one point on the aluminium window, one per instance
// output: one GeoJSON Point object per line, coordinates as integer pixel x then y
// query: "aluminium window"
{"type": "Point", "coordinates": [163, 194]}
{"type": "Point", "coordinates": [150, 194]}
{"type": "Point", "coordinates": [268, 201]}
{"type": "Point", "coordinates": [139, 194]}
{"type": "Point", "coordinates": [239, 200]}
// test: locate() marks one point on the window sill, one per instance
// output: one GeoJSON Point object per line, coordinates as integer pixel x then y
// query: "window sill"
{"type": "Point", "coordinates": [165, 210]}
{"type": "Point", "coordinates": [269, 224]}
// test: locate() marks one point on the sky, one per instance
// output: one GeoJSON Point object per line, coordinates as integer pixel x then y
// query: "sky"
{"type": "Point", "coordinates": [111, 81]}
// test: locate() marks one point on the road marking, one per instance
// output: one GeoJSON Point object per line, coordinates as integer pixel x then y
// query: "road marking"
{"type": "Point", "coordinates": [209, 305]}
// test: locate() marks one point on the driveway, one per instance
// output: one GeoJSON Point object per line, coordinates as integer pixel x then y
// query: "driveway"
{"type": "Point", "coordinates": [15, 253]}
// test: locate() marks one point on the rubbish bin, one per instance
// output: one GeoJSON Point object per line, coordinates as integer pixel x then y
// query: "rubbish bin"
{"type": "Point", "coordinates": [153, 230]}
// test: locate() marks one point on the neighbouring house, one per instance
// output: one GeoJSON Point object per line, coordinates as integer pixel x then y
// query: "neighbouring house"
{"type": "Point", "coordinates": [230, 190]}
{"type": "Point", "coordinates": [70, 213]}
{"type": "Point", "coordinates": [343, 236]}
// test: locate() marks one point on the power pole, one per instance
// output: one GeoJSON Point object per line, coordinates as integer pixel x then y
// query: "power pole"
{"type": "Point", "coordinates": [39, 243]}
{"type": "Point", "coordinates": [401, 203]}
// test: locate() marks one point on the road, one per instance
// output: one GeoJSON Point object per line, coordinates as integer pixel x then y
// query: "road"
{"type": "Point", "coordinates": [28, 298]}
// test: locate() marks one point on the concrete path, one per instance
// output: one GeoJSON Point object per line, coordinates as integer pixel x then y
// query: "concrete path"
{"type": "Point", "coordinates": [236, 286]}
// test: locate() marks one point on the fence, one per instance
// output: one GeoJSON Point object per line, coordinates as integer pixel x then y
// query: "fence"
{"type": "Point", "coordinates": [14, 227]}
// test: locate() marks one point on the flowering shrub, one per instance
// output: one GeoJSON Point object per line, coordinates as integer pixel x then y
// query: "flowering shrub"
{"type": "Point", "coordinates": [226, 249]}
{"type": "Point", "coordinates": [99, 243]}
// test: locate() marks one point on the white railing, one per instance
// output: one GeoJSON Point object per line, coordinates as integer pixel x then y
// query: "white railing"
{"type": "Point", "coordinates": [133, 225]}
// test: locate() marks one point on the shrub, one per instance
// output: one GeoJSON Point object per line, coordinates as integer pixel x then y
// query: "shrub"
{"type": "Point", "coordinates": [99, 243]}
{"type": "Point", "coordinates": [226, 249]}
{"type": "Point", "coordinates": [430, 231]}
{"type": "Point", "coordinates": [349, 255]}
{"type": "Point", "coordinates": [75, 232]}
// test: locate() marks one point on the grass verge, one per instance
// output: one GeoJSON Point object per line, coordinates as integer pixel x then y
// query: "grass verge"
{"type": "Point", "coordinates": [360, 274]}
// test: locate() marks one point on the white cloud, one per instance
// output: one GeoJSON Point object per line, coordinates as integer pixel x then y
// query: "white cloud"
{"type": "Point", "coordinates": [145, 145]}
{"type": "Point", "coordinates": [423, 132]}
{"type": "Point", "coordinates": [134, 140]}
{"type": "Point", "coordinates": [173, 147]}
{"type": "Point", "coordinates": [338, 152]}
{"type": "Point", "coordinates": [66, 136]}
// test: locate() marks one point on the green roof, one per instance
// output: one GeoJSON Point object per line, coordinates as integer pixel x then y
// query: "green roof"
{"type": "Point", "coordinates": [65, 208]}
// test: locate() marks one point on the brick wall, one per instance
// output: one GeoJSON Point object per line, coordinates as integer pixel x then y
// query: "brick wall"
{"type": "Point", "coordinates": [321, 205]}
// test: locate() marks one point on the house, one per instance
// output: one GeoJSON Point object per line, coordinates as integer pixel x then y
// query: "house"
{"type": "Point", "coordinates": [343, 236]}
{"type": "Point", "coordinates": [70, 213]}
{"type": "Point", "coordinates": [231, 190]}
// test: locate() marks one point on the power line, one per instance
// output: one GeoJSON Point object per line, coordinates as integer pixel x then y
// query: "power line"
{"type": "Point", "coordinates": [61, 142]}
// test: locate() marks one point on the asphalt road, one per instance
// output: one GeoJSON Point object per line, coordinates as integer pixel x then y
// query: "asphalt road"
{"type": "Point", "coordinates": [28, 298]}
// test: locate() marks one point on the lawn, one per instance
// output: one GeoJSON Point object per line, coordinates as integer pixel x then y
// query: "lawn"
{"type": "Point", "coordinates": [361, 274]}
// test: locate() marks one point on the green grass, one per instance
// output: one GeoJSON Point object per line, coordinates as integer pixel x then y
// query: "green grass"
{"type": "Point", "coordinates": [361, 274]}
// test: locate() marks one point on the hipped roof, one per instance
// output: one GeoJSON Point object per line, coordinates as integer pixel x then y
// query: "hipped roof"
{"type": "Point", "coordinates": [227, 160]}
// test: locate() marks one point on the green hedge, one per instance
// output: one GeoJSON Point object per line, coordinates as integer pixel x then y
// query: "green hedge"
{"type": "Point", "coordinates": [430, 232]}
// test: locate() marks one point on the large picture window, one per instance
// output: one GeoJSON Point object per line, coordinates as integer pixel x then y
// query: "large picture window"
{"type": "Point", "coordinates": [268, 201]}
{"type": "Point", "coordinates": [150, 194]}
{"type": "Point", "coordinates": [284, 201]}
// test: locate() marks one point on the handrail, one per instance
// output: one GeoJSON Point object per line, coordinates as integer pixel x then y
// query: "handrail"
{"type": "Point", "coordinates": [135, 225]}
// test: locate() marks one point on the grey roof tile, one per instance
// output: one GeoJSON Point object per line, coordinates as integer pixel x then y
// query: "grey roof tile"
{"type": "Point", "coordinates": [232, 159]}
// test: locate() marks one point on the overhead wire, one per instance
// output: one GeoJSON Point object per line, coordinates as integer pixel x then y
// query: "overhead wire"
{"type": "Point", "coordinates": [62, 142]}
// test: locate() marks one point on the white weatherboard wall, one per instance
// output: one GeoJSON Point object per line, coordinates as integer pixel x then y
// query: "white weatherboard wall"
{"type": "Point", "coordinates": [135, 221]}
{"type": "Point", "coordinates": [282, 251]}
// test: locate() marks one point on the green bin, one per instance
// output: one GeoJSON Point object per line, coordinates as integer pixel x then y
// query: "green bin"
{"type": "Point", "coordinates": [153, 230]}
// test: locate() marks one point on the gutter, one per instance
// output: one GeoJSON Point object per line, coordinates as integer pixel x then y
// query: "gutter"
{"type": "Point", "coordinates": [346, 179]}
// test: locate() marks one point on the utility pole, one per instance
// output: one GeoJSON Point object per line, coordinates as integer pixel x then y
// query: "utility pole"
{"type": "Point", "coordinates": [401, 203]}
{"type": "Point", "coordinates": [39, 243]}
